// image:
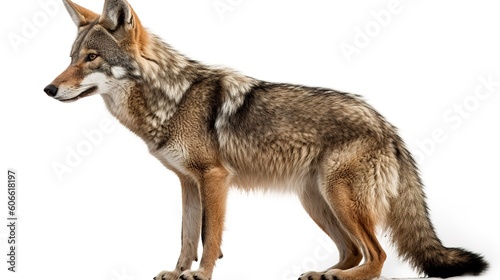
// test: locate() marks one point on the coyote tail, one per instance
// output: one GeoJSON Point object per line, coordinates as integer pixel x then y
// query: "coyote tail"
{"type": "Point", "coordinates": [413, 233]}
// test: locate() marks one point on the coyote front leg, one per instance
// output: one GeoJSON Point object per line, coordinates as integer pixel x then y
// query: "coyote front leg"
{"type": "Point", "coordinates": [213, 190]}
{"type": "Point", "coordinates": [191, 228]}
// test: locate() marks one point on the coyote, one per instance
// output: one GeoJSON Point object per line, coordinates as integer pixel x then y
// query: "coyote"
{"type": "Point", "coordinates": [216, 128]}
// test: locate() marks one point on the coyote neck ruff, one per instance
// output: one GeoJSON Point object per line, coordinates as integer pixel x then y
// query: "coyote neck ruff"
{"type": "Point", "coordinates": [158, 83]}
{"type": "Point", "coordinates": [216, 128]}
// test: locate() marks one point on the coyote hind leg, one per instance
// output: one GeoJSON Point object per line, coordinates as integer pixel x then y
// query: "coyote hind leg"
{"type": "Point", "coordinates": [321, 213]}
{"type": "Point", "coordinates": [343, 196]}
{"type": "Point", "coordinates": [346, 190]}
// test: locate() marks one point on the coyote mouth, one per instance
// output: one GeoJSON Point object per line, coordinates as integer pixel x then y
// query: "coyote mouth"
{"type": "Point", "coordinates": [88, 91]}
{"type": "Point", "coordinates": [85, 93]}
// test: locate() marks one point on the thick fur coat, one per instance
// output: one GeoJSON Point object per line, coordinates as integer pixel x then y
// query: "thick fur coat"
{"type": "Point", "coordinates": [216, 128]}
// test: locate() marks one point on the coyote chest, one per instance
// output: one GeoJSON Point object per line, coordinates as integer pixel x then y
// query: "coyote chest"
{"type": "Point", "coordinates": [173, 156]}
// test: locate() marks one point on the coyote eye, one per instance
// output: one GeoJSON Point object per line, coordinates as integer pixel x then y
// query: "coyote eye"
{"type": "Point", "coordinates": [90, 57]}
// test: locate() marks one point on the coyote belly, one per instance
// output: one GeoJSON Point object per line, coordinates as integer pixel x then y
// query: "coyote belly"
{"type": "Point", "coordinates": [216, 128]}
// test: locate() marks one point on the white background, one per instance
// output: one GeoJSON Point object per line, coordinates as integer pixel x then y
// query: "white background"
{"type": "Point", "coordinates": [116, 215]}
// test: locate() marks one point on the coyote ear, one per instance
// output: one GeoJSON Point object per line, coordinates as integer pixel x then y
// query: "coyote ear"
{"type": "Point", "coordinates": [80, 15]}
{"type": "Point", "coordinates": [116, 14]}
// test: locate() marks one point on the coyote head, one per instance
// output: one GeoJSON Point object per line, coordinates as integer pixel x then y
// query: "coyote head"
{"type": "Point", "coordinates": [102, 56]}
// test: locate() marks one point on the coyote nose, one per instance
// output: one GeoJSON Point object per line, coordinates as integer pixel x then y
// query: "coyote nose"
{"type": "Point", "coordinates": [50, 90]}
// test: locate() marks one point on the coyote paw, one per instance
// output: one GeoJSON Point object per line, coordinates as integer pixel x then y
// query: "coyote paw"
{"type": "Point", "coordinates": [326, 275]}
{"type": "Point", "coordinates": [194, 275]}
{"type": "Point", "coordinates": [337, 274]}
{"type": "Point", "coordinates": [167, 275]}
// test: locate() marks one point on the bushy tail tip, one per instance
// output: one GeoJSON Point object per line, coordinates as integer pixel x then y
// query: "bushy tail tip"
{"type": "Point", "coordinates": [457, 262]}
